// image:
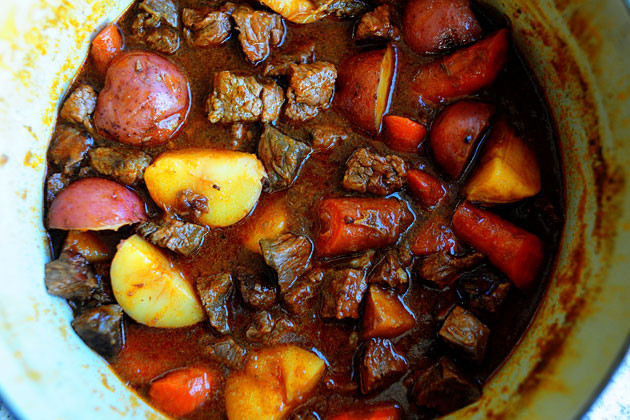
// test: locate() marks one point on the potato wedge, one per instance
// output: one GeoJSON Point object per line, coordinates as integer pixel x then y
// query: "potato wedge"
{"type": "Point", "coordinates": [385, 315]}
{"type": "Point", "coordinates": [301, 371]}
{"type": "Point", "coordinates": [88, 244]}
{"type": "Point", "coordinates": [299, 11]}
{"type": "Point", "coordinates": [251, 398]}
{"type": "Point", "coordinates": [228, 182]}
{"type": "Point", "coordinates": [150, 289]}
{"type": "Point", "coordinates": [267, 222]}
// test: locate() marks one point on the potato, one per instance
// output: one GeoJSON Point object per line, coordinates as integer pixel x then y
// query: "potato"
{"type": "Point", "coordinates": [231, 182]}
{"type": "Point", "coordinates": [364, 85]}
{"type": "Point", "coordinates": [150, 289]}
{"type": "Point", "coordinates": [385, 315]}
{"type": "Point", "coordinates": [299, 11]}
{"type": "Point", "coordinates": [508, 170]}
{"type": "Point", "coordinates": [301, 371]}
{"type": "Point", "coordinates": [88, 244]}
{"type": "Point", "coordinates": [251, 398]}
{"type": "Point", "coordinates": [267, 222]}
{"type": "Point", "coordinates": [95, 204]}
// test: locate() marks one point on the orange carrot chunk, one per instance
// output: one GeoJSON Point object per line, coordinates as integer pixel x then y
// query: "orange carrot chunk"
{"type": "Point", "coordinates": [105, 46]}
{"type": "Point", "coordinates": [425, 187]}
{"type": "Point", "coordinates": [182, 391]}
{"type": "Point", "coordinates": [435, 235]}
{"type": "Point", "coordinates": [385, 411]}
{"type": "Point", "coordinates": [403, 134]}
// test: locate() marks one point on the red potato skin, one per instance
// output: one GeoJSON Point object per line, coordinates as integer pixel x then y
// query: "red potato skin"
{"type": "Point", "coordinates": [145, 99]}
{"type": "Point", "coordinates": [463, 72]}
{"type": "Point", "coordinates": [434, 26]}
{"type": "Point", "coordinates": [426, 188]}
{"type": "Point", "coordinates": [435, 235]}
{"type": "Point", "coordinates": [514, 251]}
{"type": "Point", "coordinates": [342, 233]}
{"type": "Point", "coordinates": [455, 133]}
{"type": "Point", "coordinates": [95, 204]}
{"type": "Point", "coordinates": [383, 411]}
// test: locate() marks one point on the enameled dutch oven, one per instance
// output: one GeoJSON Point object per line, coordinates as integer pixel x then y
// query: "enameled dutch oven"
{"type": "Point", "coordinates": [580, 52]}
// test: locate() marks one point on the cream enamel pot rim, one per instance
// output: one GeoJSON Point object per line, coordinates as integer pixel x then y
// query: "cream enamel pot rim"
{"type": "Point", "coordinates": [580, 52]}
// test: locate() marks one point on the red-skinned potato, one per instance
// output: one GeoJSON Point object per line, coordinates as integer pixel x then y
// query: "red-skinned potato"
{"type": "Point", "coordinates": [433, 26]}
{"type": "Point", "coordinates": [364, 86]}
{"type": "Point", "coordinates": [145, 99]}
{"type": "Point", "coordinates": [455, 134]}
{"type": "Point", "coordinates": [463, 72]}
{"type": "Point", "coordinates": [95, 204]}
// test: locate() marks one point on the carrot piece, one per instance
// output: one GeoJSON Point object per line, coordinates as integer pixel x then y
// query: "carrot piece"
{"type": "Point", "coordinates": [425, 187]}
{"type": "Point", "coordinates": [385, 411]}
{"type": "Point", "coordinates": [182, 391]}
{"type": "Point", "coordinates": [105, 46]}
{"type": "Point", "coordinates": [463, 72]}
{"type": "Point", "coordinates": [516, 252]}
{"type": "Point", "coordinates": [403, 134]}
{"type": "Point", "coordinates": [435, 235]}
{"type": "Point", "coordinates": [356, 224]}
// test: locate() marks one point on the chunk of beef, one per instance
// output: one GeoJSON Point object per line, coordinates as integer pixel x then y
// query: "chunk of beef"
{"type": "Point", "coordinates": [225, 351]}
{"type": "Point", "coordinates": [254, 289]}
{"type": "Point", "coordinates": [124, 165]}
{"type": "Point", "coordinates": [282, 157]}
{"type": "Point", "coordinates": [362, 261]}
{"type": "Point", "coordinates": [263, 325]}
{"type": "Point", "coordinates": [70, 277]}
{"type": "Point", "coordinates": [101, 329]}
{"type": "Point", "coordinates": [207, 29]}
{"type": "Point", "coordinates": [163, 39]}
{"type": "Point", "coordinates": [391, 272]}
{"type": "Point", "coordinates": [161, 11]}
{"type": "Point", "coordinates": [443, 388]}
{"type": "Point", "coordinates": [300, 296]}
{"type": "Point", "coordinates": [367, 171]}
{"type": "Point", "coordinates": [55, 184]}
{"type": "Point", "coordinates": [80, 106]}
{"type": "Point", "coordinates": [214, 292]}
{"type": "Point", "coordinates": [68, 148]}
{"type": "Point", "coordinates": [181, 237]}
{"type": "Point", "coordinates": [326, 136]}
{"type": "Point", "coordinates": [156, 24]}
{"type": "Point", "coordinates": [381, 365]}
{"type": "Point", "coordinates": [484, 288]}
{"type": "Point", "coordinates": [311, 87]}
{"type": "Point", "coordinates": [347, 9]}
{"type": "Point", "coordinates": [243, 98]}
{"type": "Point", "coordinates": [279, 66]}
{"type": "Point", "coordinates": [269, 329]}
{"type": "Point", "coordinates": [344, 292]}
{"type": "Point", "coordinates": [464, 331]}
{"type": "Point", "coordinates": [377, 24]}
{"type": "Point", "coordinates": [289, 255]}
{"type": "Point", "coordinates": [257, 31]}
{"type": "Point", "coordinates": [442, 268]}
{"type": "Point", "coordinates": [190, 204]}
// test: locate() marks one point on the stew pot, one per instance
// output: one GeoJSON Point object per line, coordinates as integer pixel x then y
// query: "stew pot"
{"type": "Point", "coordinates": [580, 52]}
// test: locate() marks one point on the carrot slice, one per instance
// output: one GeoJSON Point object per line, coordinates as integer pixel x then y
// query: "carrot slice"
{"type": "Point", "coordinates": [425, 187]}
{"type": "Point", "coordinates": [105, 46]}
{"type": "Point", "coordinates": [387, 411]}
{"type": "Point", "coordinates": [403, 134]}
{"type": "Point", "coordinates": [182, 391]}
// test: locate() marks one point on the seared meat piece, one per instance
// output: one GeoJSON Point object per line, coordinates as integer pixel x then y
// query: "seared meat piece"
{"type": "Point", "coordinates": [161, 11]}
{"type": "Point", "coordinates": [243, 98]}
{"type": "Point", "coordinates": [70, 277]}
{"type": "Point", "coordinates": [326, 136]}
{"type": "Point", "coordinates": [381, 365]}
{"type": "Point", "coordinates": [289, 255]}
{"type": "Point", "coordinates": [191, 204]}
{"type": "Point", "coordinates": [101, 329]}
{"type": "Point", "coordinates": [68, 148]}
{"type": "Point", "coordinates": [54, 185]}
{"type": "Point", "coordinates": [344, 292]}
{"type": "Point", "coordinates": [281, 65]}
{"type": "Point", "coordinates": [163, 39]}
{"type": "Point", "coordinates": [362, 261]}
{"type": "Point", "coordinates": [442, 268]}
{"type": "Point", "coordinates": [391, 272]}
{"type": "Point", "coordinates": [347, 9]}
{"type": "Point", "coordinates": [485, 289]}
{"type": "Point", "coordinates": [214, 292]}
{"type": "Point", "coordinates": [225, 351]}
{"type": "Point", "coordinates": [463, 330]}
{"type": "Point", "coordinates": [181, 237]}
{"type": "Point", "coordinates": [269, 329]}
{"type": "Point", "coordinates": [282, 157]}
{"type": "Point", "coordinates": [258, 30]}
{"type": "Point", "coordinates": [156, 24]}
{"type": "Point", "coordinates": [377, 24]}
{"type": "Point", "coordinates": [311, 88]}
{"type": "Point", "coordinates": [207, 29]}
{"type": "Point", "coordinates": [254, 290]}
{"type": "Point", "coordinates": [442, 388]}
{"type": "Point", "coordinates": [124, 165]}
{"type": "Point", "coordinates": [300, 296]}
{"type": "Point", "coordinates": [370, 172]}
{"type": "Point", "coordinates": [79, 106]}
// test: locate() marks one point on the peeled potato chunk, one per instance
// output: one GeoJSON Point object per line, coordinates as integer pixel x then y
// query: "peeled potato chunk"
{"type": "Point", "coordinates": [508, 170]}
{"type": "Point", "coordinates": [250, 398]}
{"type": "Point", "coordinates": [299, 11]}
{"type": "Point", "coordinates": [301, 371]}
{"type": "Point", "coordinates": [150, 289]}
{"type": "Point", "coordinates": [226, 183]}
{"type": "Point", "coordinates": [267, 222]}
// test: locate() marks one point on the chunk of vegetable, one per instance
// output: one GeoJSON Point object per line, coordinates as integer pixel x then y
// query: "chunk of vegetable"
{"type": "Point", "coordinates": [299, 11]}
{"type": "Point", "coordinates": [508, 170]}
{"type": "Point", "coordinates": [382, 411]}
{"type": "Point", "coordinates": [267, 222]}
{"type": "Point", "coordinates": [434, 235]}
{"type": "Point", "coordinates": [88, 244]}
{"type": "Point", "coordinates": [251, 398]}
{"type": "Point", "coordinates": [180, 392]}
{"type": "Point", "coordinates": [425, 187]}
{"type": "Point", "coordinates": [230, 181]}
{"type": "Point", "coordinates": [385, 315]}
{"type": "Point", "coordinates": [301, 371]}
{"type": "Point", "coordinates": [403, 134]}
{"type": "Point", "coordinates": [95, 204]}
{"type": "Point", "coordinates": [150, 289]}
{"type": "Point", "coordinates": [516, 252]}
{"type": "Point", "coordinates": [105, 46]}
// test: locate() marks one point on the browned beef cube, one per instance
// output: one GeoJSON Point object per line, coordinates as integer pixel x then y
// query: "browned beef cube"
{"type": "Point", "coordinates": [381, 365]}
{"type": "Point", "coordinates": [347, 9]}
{"type": "Point", "coordinates": [344, 291]}
{"type": "Point", "coordinates": [254, 289]}
{"type": "Point", "coordinates": [68, 148]}
{"type": "Point", "coordinates": [257, 31]}
{"type": "Point", "coordinates": [390, 272]}
{"type": "Point", "coordinates": [272, 97]}
{"type": "Point", "coordinates": [302, 53]}
{"type": "Point", "coordinates": [377, 24]}
{"type": "Point", "coordinates": [161, 11]}
{"type": "Point", "coordinates": [181, 237]}
{"type": "Point", "coordinates": [282, 157]}
{"type": "Point", "coordinates": [289, 255]}
{"type": "Point", "coordinates": [79, 106]}
{"type": "Point", "coordinates": [124, 165]}
{"type": "Point", "coordinates": [224, 351]}
{"type": "Point", "coordinates": [207, 28]}
{"type": "Point", "coordinates": [311, 88]}
{"type": "Point", "coordinates": [367, 171]}
{"type": "Point", "coordinates": [492, 299]}
{"type": "Point", "coordinates": [442, 268]}
{"type": "Point", "coordinates": [326, 136]}
{"type": "Point", "coordinates": [300, 296]}
{"type": "Point", "coordinates": [156, 24]}
{"type": "Point", "coordinates": [214, 292]}
{"type": "Point", "coordinates": [464, 331]}
{"type": "Point", "coordinates": [70, 277]}
{"type": "Point", "coordinates": [485, 289]}
{"type": "Point", "coordinates": [163, 39]}
{"type": "Point", "coordinates": [443, 388]}
{"type": "Point", "coordinates": [269, 329]}
{"type": "Point", "coordinates": [101, 329]}
{"type": "Point", "coordinates": [362, 261]}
